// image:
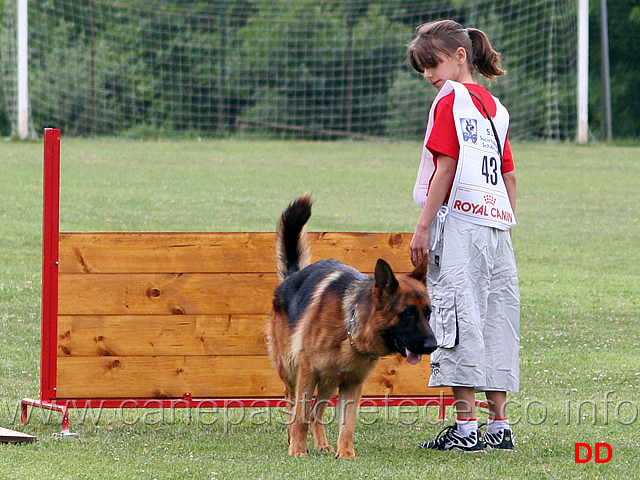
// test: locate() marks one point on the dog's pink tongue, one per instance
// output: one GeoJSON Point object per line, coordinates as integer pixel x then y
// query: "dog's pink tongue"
{"type": "Point", "coordinates": [412, 358]}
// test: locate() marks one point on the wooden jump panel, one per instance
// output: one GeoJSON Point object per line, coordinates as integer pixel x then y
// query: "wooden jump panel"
{"type": "Point", "coordinates": [158, 315]}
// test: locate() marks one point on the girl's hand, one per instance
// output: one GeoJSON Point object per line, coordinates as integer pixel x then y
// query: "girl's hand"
{"type": "Point", "coordinates": [440, 186]}
{"type": "Point", "coordinates": [419, 246]}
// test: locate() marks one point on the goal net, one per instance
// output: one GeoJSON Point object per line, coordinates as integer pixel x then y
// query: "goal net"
{"type": "Point", "coordinates": [320, 69]}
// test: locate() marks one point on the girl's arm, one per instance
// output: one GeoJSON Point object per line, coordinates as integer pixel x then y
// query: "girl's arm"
{"type": "Point", "coordinates": [440, 186]}
{"type": "Point", "coordinates": [510, 184]}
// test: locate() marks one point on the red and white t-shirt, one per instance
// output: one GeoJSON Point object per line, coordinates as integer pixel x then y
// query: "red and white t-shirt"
{"type": "Point", "coordinates": [442, 138]}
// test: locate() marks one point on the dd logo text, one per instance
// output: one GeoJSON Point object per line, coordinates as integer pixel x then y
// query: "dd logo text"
{"type": "Point", "coordinates": [584, 452]}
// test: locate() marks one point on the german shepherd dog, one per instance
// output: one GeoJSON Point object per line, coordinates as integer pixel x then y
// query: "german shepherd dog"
{"type": "Point", "coordinates": [329, 326]}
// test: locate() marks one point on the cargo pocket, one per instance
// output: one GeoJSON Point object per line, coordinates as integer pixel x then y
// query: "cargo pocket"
{"type": "Point", "coordinates": [444, 319]}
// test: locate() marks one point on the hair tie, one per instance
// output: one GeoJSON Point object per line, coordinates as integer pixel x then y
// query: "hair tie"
{"type": "Point", "coordinates": [465, 31]}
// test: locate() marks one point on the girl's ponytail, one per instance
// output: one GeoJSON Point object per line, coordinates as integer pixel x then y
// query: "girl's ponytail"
{"type": "Point", "coordinates": [485, 59]}
{"type": "Point", "coordinates": [445, 37]}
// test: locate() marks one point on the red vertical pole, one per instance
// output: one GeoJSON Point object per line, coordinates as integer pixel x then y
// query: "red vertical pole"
{"type": "Point", "coordinates": [50, 237]}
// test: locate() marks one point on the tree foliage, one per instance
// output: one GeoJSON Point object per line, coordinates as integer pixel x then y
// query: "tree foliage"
{"type": "Point", "coordinates": [624, 52]}
{"type": "Point", "coordinates": [314, 68]}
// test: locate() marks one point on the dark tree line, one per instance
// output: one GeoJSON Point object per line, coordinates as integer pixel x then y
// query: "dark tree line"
{"type": "Point", "coordinates": [312, 68]}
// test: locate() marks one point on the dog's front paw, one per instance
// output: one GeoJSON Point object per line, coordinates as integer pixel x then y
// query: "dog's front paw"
{"type": "Point", "coordinates": [346, 453]}
{"type": "Point", "coordinates": [325, 448]}
{"type": "Point", "coordinates": [298, 451]}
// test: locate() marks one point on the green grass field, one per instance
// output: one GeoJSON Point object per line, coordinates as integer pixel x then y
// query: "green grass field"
{"type": "Point", "coordinates": [578, 250]}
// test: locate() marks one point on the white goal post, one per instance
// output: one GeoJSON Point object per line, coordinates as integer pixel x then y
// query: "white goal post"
{"type": "Point", "coordinates": [287, 68]}
{"type": "Point", "coordinates": [22, 119]}
{"type": "Point", "coordinates": [582, 135]}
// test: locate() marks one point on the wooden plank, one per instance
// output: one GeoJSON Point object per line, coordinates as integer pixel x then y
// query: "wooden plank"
{"type": "Point", "coordinates": [161, 335]}
{"type": "Point", "coordinates": [211, 377]}
{"type": "Point", "coordinates": [11, 436]}
{"type": "Point", "coordinates": [165, 294]}
{"type": "Point", "coordinates": [133, 304]}
{"type": "Point", "coordinates": [220, 252]}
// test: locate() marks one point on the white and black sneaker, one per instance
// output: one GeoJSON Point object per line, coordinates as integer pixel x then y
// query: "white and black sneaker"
{"type": "Point", "coordinates": [450, 439]}
{"type": "Point", "coordinates": [503, 440]}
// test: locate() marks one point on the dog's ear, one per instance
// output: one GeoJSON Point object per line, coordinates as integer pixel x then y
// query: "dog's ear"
{"type": "Point", "coordinates": [386, 282]}
{"type": "Point", "coordinates": [420, 271]}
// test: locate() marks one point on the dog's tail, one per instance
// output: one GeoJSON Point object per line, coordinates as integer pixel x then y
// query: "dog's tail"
{"type": "Point", "coordinates": [292, 249]}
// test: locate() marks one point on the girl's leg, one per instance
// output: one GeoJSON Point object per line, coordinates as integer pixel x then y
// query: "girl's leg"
{"type": "Point", "coordinates": [498, 434]}
{"type": "Point", "coordinates": [497, 404]}
{"type": "Point", "coordinates": [465, 403]}
{"type": "Point", "coordinates": [466, 420]}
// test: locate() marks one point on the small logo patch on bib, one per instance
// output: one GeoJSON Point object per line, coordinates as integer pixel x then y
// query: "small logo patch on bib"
{"type": "Point", "coordinates": [469, 129]}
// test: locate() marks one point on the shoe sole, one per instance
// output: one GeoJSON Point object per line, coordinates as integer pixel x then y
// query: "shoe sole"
{"type": "Point", "coordinates": [462, 450]}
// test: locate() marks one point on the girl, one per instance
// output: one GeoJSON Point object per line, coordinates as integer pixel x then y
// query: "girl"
{"type": "Point", "coordinates": [467, 188]}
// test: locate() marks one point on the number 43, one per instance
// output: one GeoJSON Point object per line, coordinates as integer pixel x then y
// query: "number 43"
{"type": "Point", "coordinates": [490, 170]}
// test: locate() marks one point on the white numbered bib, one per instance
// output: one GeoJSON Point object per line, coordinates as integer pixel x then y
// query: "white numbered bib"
{"type": "Point", "coordinates": [478, 194]}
